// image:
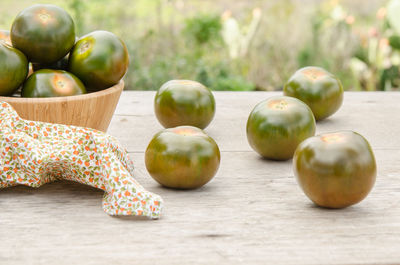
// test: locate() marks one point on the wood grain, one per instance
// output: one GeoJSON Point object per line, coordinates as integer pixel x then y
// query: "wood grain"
{"type": "Point", "coordinates": [93, 110]}
{"type": "Point", "coordinates": [359, 112]}
{"type": "Point", "coordinates": [252, 212]}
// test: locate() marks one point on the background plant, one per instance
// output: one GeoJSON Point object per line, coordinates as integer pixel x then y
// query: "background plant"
{"type": "Point", "coordinates": [248, 45]}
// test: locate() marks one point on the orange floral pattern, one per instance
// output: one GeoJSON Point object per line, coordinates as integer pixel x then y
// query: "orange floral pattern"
{"type": "Point", "coordinates": [34, 153]}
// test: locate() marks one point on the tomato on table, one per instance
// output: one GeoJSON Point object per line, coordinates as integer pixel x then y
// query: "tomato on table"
{"type": "Point", "coordinates": [319, 89]}
{"type": "Point", "coordinates": [184, 102]}
{"type": "Point", "coordinates": [335, 170]}
{"type": "Point", "coordinates": [183, 157]}
{"type": "Point", "coordinates": [276, 126]}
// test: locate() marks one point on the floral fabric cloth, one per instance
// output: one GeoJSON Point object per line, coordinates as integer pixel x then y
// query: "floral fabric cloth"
{"type": "Point", "coordinates": [34, 153]}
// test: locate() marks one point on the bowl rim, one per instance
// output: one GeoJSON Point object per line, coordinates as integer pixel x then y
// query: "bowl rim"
{"type": "Point", "coordinates": [111, 90]}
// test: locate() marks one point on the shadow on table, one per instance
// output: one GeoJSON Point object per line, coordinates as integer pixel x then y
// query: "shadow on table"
{"type": "Point", "coordinates": [330, 121]}
{"type": "Point", "coordinates": [351, 211]}
{"type": "Point", "coordinates": [61, 194]}
{"type": "Point", "coordinates": [63, 187]}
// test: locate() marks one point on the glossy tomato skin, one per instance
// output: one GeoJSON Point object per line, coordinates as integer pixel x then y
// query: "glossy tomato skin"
{"type": "Point", "coordinates": [183, 157]}
{"type": "Point", "coordinates": [100, 59]}
{"type": "Point", "coordinates": [5, 36]}
{"type": "Point", "coordinates": [184, 102]}
{"type": "Point", "coordinates": [335, 170]}
{"type": "Point", "coordinates": [319, 89]}
{"type": "Point", "coordinates": [44, 33]}
{"type": "Point", "coordinates": [276, 126]}
{"type": "Point", "coordinates": [52, 83]}
{"type": "Point", "coordinates": [13, 69]}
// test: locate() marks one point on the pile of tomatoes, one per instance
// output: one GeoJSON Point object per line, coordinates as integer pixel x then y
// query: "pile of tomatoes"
{"type": "Point", "coordinates": [335, 169]}
{"type": "Point", "coordinates": [43, 38]}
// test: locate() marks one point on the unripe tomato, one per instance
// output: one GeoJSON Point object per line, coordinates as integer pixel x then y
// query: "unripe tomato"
{"type": "Point", "coordinates": [335, 170]}
{"type": "Point", "coordinates": [184, 102]}
{"type": "Point", "coordinates": [13, 69]}
{"type": "Point", "coordinates": [44, 33]}
{"type": "Point", "coordinates": [276, 126]}
{"type": "Point", "coordinates": [52, 83]}
{"type": "Point", "coordinates": [319, 89]}
{"type": "Point", "coordinates": [183, 157]}
{"type": "Point", "coordinates": [100, 59]}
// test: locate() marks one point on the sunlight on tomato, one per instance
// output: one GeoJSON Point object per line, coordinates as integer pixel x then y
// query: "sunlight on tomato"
{"type": "Point", "coordinates": [52, 83]}
{"type": "Point", "coordinates": [335, 170]}
{"type": "Point", "coordinates": [319, 89]}
{"type": "Point", "coordinates": [183, 157]}
{"type": "Point", "coordinates": [184, 102]}
{"type": "Point", "coordinates": [276, 126]}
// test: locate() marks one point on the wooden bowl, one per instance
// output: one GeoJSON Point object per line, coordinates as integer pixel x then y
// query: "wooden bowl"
{"type": "Point", "coordinates": [93, 110]}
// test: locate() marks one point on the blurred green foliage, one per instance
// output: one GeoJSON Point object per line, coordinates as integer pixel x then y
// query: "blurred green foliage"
{"type": "Point", "coordinates": [203, 29]}
{"type": "Point", "coordinates": [252, 45]}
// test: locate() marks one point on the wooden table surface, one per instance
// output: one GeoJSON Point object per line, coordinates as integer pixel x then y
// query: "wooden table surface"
{"type": "Point", "coordinates": [252, 212]}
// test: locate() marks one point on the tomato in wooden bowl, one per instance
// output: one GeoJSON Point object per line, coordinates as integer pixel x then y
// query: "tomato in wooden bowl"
{"type": "Point", "coordinates": [99, 59]}
{"type": "Point", "coordinates": [94, 110]}
{"type": "Point", "coordinates": [44, 33]}
{"type": "Point", "coordinates": [13, 69]}
{"type": "Point", "coordinates": [52, 83]}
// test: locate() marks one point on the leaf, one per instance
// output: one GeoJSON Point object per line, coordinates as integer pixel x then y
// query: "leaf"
{"type": "Point", "coordinates": [394, 41]}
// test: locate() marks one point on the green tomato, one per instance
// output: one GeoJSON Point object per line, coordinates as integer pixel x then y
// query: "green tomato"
{"type": "Point", "coordinates": [52, 83]}
{"type": "Point", "coordinates": [5, 37]}
{"type": "Point", "coordinates": [335, 170]}
{"type": "Point", "coordinates": [184, 102]}
{"type": "Point", "coordinates": [182, 157]}
{"type": "Point", "coordinates": [100, 59]}
{"type": "Point", "coordinates": [318, 88]}
{"type": "Point", "coordinates": [44, 33]}
{"type": "Point", "coordinates": [13, 69]}
{"type": "Point", "coordinates": [276, 127]}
